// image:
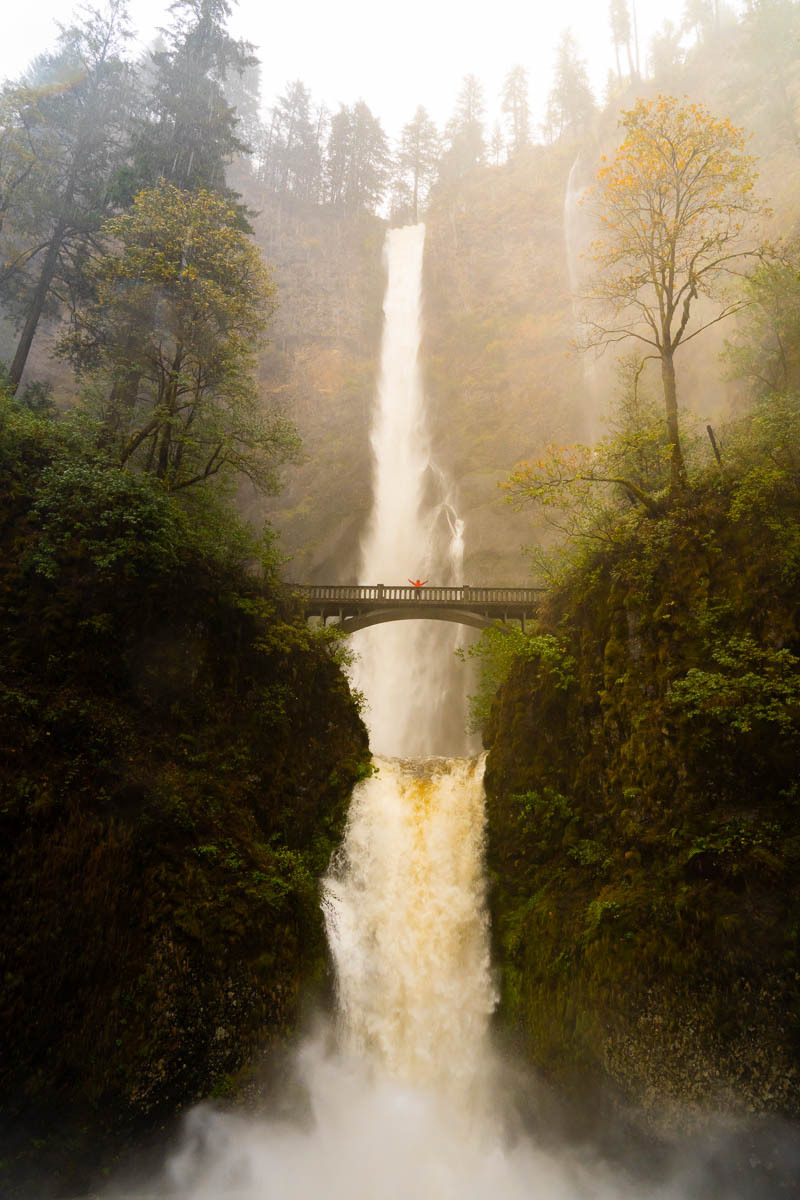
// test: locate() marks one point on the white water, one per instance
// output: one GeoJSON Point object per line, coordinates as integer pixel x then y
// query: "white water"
{"type": "Point", "coordinates": [414, 686]}
{"type": "Point", "coordinates": [407, 927]}
{"type": "Point", "coordinates": [403, 1097]}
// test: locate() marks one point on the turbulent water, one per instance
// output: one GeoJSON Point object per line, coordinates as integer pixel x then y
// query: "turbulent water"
{"type": "Point", "coordinates": [406, 925]}
{"type": "Point", "coordinates": [401, 1094]}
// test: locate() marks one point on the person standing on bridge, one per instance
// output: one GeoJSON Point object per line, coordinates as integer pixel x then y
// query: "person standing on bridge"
{"type": "Point", "coordinates": [418, 585]}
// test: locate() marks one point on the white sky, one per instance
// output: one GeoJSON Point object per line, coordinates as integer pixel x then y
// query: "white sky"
{"type": "Point", "coordinates": [393, 56]}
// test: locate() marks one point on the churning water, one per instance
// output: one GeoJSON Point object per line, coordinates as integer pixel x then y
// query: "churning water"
{"type": "Point", "coordinates": [403, 1096]}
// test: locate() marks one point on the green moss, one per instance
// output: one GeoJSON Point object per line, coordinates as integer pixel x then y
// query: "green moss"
{"type": "Point", "coordinates": [177, 756]}
{"type": "Point", "coordinates": [644, 821]}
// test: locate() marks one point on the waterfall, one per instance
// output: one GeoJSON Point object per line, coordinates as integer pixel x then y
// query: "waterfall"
{"type": "Point", "coordinates": [414, 686]}
{"type": "Point", "coordinates": [407, 928]}
{"type": "Point", "coordinates": [571, 201]}
{"type": "Point", "coordinates": [401, 1098]}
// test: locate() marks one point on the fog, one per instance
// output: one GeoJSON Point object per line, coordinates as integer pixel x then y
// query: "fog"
{"type": "Point", "coordinates": [393, 59]}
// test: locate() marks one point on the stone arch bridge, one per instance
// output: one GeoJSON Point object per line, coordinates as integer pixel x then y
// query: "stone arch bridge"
{"type": "Point", "coordinates": [355, 607]}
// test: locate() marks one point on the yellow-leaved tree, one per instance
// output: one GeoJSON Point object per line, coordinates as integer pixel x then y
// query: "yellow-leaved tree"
{"type": "Point", "coordinates": [673, 203]}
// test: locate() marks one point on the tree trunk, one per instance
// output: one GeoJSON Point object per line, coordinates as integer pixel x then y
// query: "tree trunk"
{"type": "Point", "coordinates": [677, 468]}
{"type": "Point", "coordinates": [36, 306]}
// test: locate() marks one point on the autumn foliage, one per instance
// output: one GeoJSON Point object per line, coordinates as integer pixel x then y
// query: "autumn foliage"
{"type": "Point", "coordinates": [673, 204]}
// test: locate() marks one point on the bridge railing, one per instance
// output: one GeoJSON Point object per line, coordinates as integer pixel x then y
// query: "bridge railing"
{"type": "Point", "coordinates": [338, 593]}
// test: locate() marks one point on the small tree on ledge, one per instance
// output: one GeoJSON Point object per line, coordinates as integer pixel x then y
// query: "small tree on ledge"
{"type": "Point", "coordinates": [672, 205]}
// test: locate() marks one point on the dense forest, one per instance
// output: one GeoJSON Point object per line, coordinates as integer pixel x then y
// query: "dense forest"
{"type": "Point", "coordinates": [190, 294]}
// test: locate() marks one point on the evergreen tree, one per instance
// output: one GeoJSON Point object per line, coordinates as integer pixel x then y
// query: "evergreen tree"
{"type": "Point", "coordinates": [294, 159]}
{"type": "Point", "coordinates": [242, 91]}
{"type": "Point", "coordinates": [514, 98]}
{"type": "Point", "coordinates": [60, 149]}
{"type": "Point", "coordinates": [621, 34]}
{"type": "Point", "coordinates": [358, 164]}
{"type": "Point", "coordinates": [189, 131]}
{"type": "Point", "coordinates": [465, 133]}
{"type": "Point", "coordinates": [666, 54]}
{"type": "Point", "coordinates": [769, 61]}
{"type": "Point", "coordinates": [570, 105]}
{"type": "Point", "coordinates": [418, 158]}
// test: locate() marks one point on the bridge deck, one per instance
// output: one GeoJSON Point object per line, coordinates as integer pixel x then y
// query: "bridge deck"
{"type": "Point", "coordinates": [356, 606]}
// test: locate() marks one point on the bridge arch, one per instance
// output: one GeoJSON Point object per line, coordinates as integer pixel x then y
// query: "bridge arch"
{"type": "Point", "coordinates": [382, 616]}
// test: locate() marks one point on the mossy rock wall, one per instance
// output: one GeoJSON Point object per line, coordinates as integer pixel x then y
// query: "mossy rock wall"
{"type": "Point", "coordinates": [177, 756]}
{"type": "Point", "coordinates": [644, 821]}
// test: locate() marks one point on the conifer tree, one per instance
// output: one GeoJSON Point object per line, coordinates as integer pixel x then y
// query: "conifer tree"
{"type": "Point", "coordinates": [465, 133]}
{"type": "Point", "coordinates": [666, 54]}
{"type": "Point", "coordinates": [621, 33]}
{"type": "Point", "coordinates": [514, 99]}
{"type": "Point", "coordinates": [570, 105]}
{"type": "Point", "coordinates": [358, 163]}
{"type": "Point", "coordinates": [294, 160]}
{"type": "Point", "coordinates": [189, 131]}
{"type": "Point", "coordinates": [769, 56]}
{"type": "Point", "coordinates": [418, 157]}
{"type": "Point", "coordinates": [498, 144]}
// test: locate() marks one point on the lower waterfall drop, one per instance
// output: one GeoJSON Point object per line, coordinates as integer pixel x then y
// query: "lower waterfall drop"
{"type": "Point", "coordinates": [402, 1099]}
{"type": "Point", "coordinates": [407, 928]}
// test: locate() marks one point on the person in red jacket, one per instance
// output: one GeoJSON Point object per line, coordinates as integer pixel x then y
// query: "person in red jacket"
{"type": "Point", "coordinates": [418, 585]}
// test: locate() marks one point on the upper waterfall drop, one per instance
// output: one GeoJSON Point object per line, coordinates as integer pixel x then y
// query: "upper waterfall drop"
{"type": "Point", "coordinates": [408, 673]}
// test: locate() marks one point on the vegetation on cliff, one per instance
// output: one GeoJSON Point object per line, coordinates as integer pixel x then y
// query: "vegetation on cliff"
{"type": "Point", "coordinates": [177, 753]}
{"type": "Point", "coordinates": [644, 816]}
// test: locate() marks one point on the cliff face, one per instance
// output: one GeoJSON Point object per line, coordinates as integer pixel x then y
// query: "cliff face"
{"type": "Point", "coordinates": [499, 376]}
{"type": "Point", "coordinates": [644, 818]}
{"type": "Point", "coordinates": [177, 756]}
{"type": "Point", "coordinates": [321, 366]}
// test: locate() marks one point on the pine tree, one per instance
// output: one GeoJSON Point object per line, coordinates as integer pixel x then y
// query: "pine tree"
{"type": "Point", "coordinates": [769, 61]}
{"type": "Point", "coordinates": [514, 98]}
{"type": "Point", "coordinates": [295, 151]}
{"type": "Point", "coordinates": [465, 133]}
{"type": "Point", "coordinates": [621, 33]}
{"type": "Point", "coordinates": [570, 105]}
{"type": "Point", "coordinates": [418, 158]}
{"type": "Point", "coordinates": [358, 163]}
{"type": "Point", "coordinates": [242, 91]}
{"type": "Point", "coordinates": [189, 131]}
{"type": "Point", "coordinates": [498, 144]}
{"type": "Point", "coordinates": [666, 54]}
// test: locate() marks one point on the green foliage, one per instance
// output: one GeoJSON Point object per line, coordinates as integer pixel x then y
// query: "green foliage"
{"type": "Point", "coordinates": [188, 132]}
{"type": "Point", "coordinates": [177, 751]}
{"type": "Point", "coordinates": [170, 344]}
{"type": "Point", "coordinates": [751, 684]}
{"type": "Point", "coordinates": [766, 349]}
{"type": "Point", "coordinates": [644, 830]}
{"type": "Point", "coordinates": [118, 521]}
{"type": "Point", "coordinates": [496, 652]}
{"type": "Point", "coordinates": [61, 141]}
